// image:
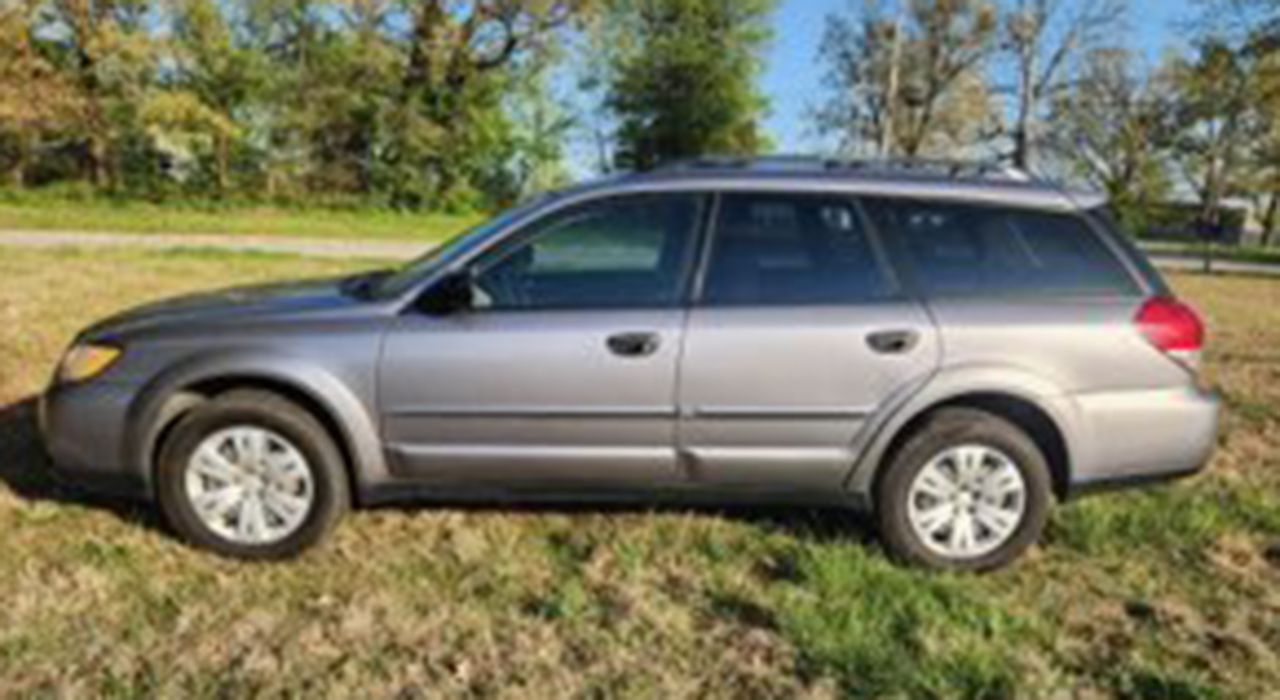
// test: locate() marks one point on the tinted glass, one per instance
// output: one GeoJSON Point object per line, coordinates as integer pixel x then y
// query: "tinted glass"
{"type": "Point", "coordinates": [777, 250]}
{"type": "Point", "coordinates": [1105, 218]}
{"type": "Point", "coordinates": [963, 250]}
{"type": "Point", "coordinates": [410, 275]}
{"type": "Point", "coordinates": [616, 254]}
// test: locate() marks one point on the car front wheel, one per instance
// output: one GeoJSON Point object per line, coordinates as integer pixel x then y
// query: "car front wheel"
{"type": "Point", "coordinates": [252, 476]}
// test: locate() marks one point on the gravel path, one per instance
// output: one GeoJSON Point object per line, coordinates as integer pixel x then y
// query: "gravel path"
{"type": "Point", "coordinates": [319, 247]}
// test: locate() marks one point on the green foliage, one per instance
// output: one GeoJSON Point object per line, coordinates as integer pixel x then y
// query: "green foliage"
{"type": "Point", "coordinates": [682, 78]}
{"type": "Point", "coordinates": [403, 103]}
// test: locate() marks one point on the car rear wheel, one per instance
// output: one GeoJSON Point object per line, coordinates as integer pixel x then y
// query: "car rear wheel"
{"type": "Point", "coordinates": [253, 476]}
{"type": "Point", "coordinates": [968, 491]}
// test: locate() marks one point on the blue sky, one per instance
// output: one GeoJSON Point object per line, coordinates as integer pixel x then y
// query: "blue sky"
{"type": "Point", "coordinates": [793, 79]}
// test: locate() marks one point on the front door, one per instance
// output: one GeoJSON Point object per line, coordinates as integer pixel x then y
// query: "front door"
{"type": "Point", "coordinates": [799, 336]}
{"type": "Point", "coordinates": [564, 372]}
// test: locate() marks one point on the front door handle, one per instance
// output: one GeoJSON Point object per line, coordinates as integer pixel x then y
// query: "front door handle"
{"type": "Point", "coordinates": [634, 344]}
{"type": "Point", "coordinates": [893, 342]}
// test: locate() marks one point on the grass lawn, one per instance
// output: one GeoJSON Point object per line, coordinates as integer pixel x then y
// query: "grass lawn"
{"type": "Point", "coordinates": [1172, 592]}
{"type": "Point", "coordinates": [92, 216]}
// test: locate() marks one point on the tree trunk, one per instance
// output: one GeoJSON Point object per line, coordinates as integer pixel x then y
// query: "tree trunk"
{"type": "Point", "coordinates": [222, 156]}
{"type": "Point", "coordinates": [1026, 103]}
{"type": "Point", "coordinates": [1211, 212]}
{"type": "Point", "coordinates": [1269, 219]}
{"type": "Point", "coordinates": [21, 160]}
{"type": "Point", "coordinates": [887, 136]}
{"type": "Point", "coordinates": [99, 168]}
{"type": "Point", "coordinates": [1021, 147]}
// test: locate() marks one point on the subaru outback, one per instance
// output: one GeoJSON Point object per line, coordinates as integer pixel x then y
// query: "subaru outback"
{"type": "Point", "coordinates": [951, 349]}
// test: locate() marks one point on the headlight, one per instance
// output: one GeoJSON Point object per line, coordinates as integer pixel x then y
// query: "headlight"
{"type": "Point", "coordinates": [84, 362]}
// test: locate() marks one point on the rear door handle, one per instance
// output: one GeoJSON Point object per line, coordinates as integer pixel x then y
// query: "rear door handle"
{"type": "Point", "coordinates": [634, 344]}
{"type": "Point", "coordinates": [893, 342]}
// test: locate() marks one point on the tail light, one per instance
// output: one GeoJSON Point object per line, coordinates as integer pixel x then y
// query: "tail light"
{"type": "Point", "coordinates": [1174, 328]}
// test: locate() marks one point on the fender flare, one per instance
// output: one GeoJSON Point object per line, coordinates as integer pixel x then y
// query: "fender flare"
{"type": "Point", "coordinates": [950, 384]}
{"type": "Point", "coordinates": [151, 411]}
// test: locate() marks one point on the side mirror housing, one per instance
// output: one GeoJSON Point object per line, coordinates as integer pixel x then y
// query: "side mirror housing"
{"type": "Point", "coordinates": [452, 294]}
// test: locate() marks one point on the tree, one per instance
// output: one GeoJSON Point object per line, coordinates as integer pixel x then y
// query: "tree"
{"type": "Point", "coordinates": [103, 48]}
{"type": "Point", "coordinates": [421, 103]}
{"type": "Point", "coordinates": [36, 101]}
{"type": "Point", "coordinates": [449, 109]}
{"type": "Point", "coordinates": [216, 80]}
{"type": "Point", "coordinates": [1214, 120]}
{"type": "Point", "coordinates": [1042, 37]}
{"type": "Point", "coordinates": [863, 56]}
{"type": "Point", "coordinates": [1261, 181]}
{"type": "Point", "coordinates": [1112, 128]}
{"type": "Point", "coordinates": [682, 78]}
{"type": "Point", "coordinates": [541, 126]}
{"type": "Point", "coordinates": [912, 83]}
{"type": "Point", "coordinates": [1252, 29]}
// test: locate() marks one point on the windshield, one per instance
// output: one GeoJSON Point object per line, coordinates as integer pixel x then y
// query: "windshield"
{"type": "Point", "coordinates": [402, 280]}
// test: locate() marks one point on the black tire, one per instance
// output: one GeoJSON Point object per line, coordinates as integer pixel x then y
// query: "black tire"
{"type": "Point", "coordinates": [953, 427]}
{"type": "Point", "coordinates": [266, 410]}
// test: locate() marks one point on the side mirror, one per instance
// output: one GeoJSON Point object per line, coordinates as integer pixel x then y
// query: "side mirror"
{"type": "Point", "coordinates": [451, 295]}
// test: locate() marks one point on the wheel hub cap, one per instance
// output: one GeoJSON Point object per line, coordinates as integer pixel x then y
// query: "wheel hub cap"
{"type": "Point", "coordinates": [250, 485]}
{"type": "Point", "coordinates": [967, 501]}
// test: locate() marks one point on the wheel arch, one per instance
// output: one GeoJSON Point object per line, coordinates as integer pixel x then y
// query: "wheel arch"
{"type": "Point", "coordinates": [342, 414]}
{"type": "Point", "coordinates": [1031, 403]}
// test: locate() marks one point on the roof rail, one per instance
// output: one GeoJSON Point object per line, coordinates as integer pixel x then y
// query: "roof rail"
{"type": "Point", "coordinates": [957, 169]}
{"type": "Point", "coordinates": [743, 163]}
{"type": "Point", "coordinates": [943, 167]}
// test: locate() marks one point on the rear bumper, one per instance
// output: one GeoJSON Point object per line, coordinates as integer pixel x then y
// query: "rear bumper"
{"type": "Point", "coordinates": [1123, 483]}
{"type": "Point", "coordinates": [1133, 438]}
{"type": "Point", "coordinates": [83, 429]}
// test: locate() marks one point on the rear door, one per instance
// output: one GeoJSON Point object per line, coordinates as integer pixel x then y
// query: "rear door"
{"type": "Point", "coordinates": [799, 336]}
{"type": "Point", "coordinates": [1025, 293]}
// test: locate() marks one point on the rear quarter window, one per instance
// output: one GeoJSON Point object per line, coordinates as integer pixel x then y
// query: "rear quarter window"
{"type": "Point", "coordinates": [965, 250]}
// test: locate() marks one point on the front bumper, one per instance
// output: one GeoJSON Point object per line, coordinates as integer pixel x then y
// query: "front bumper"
{"type": "Point", "coordinates": [84, 428]}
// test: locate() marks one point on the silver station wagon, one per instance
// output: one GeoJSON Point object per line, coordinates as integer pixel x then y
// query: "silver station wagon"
{"type": "Point", "coordinates": [950, 347]}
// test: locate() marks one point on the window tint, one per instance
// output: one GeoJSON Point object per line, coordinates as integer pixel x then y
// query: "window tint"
{"type": "Point", "coordinates": [971, 250]}
{"type": "Point", "coordinates": [1105, 217]}
{"type": "Point", "coordinates": [776, 250]}
{"type": "Point", "coordinates": [615, 254]}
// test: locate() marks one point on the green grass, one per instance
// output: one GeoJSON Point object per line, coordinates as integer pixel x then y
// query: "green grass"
{"type": "Point", "coordinates": [1172, 592]}
{"type": "Point", "coordinates": [38, 212]}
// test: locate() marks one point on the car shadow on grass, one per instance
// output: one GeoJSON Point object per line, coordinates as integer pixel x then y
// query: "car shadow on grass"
{"type": "Point", "coordinates": [25, 470]}
{"type": "Point", "coordinates": [816, 524]}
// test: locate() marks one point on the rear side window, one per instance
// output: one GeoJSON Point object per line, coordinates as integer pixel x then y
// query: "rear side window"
{"type": "Point", "coordinates": [962, 250]}
{"type": "Point", "coordinates": [1104, 217]}
{"type": "Point", "coordinates": [771, 250]}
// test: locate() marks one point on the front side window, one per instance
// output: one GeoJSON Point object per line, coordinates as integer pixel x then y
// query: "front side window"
{"type": "Point", "coordinates": [772, 250]}
{"type": "Point", "coordinates": [623, 253]}
{"type": "Point", "coordinates": [965, 250]}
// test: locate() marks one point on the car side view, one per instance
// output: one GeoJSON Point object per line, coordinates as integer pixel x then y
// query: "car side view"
{"type": "Point", "coordinates": [950, 347]}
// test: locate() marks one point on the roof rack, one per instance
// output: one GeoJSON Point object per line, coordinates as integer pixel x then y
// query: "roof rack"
{"type": "Point", "coordinates": [956, 169]}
